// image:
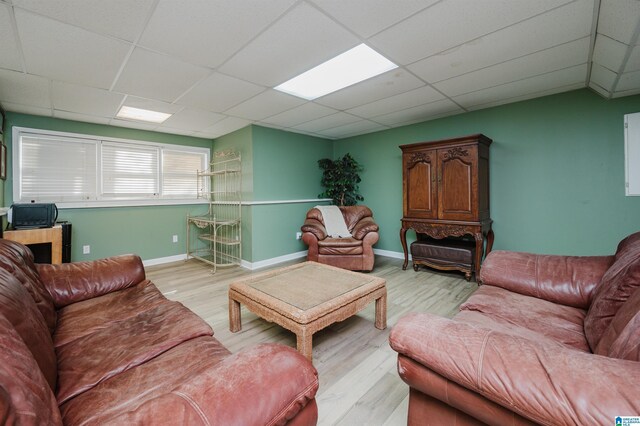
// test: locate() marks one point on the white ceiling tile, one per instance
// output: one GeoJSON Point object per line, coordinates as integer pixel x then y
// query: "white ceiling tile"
{"type": "Point", "coordinates": [628, 81]}
{"type": "Point", "coordinates": [626, 93]}
{"type": "Point", "coordinates": [132, 124]}
{"type": "Point", "coordinates": [603, 77]}
{"type": "Point", "coordinates": [328, 122]}
{"type": "Point", "coordinates": [394, 103]}
{"type": "Point", "coordinates": [555, 58]}
{"type": "Point", "coordinates": [608, 52]}
{"type": "Point", "coordinates": [569, 76]}
{"type": "Point", "coordinates": [212, 30]}
{"type": "Point", "coordinates": [357, 128]}
{"type": "Point", "coordinates": [453, 22]}
{"type": "Point", "coordinates": [66, 115]}
{"type": "Point", "coordinates": [24, 89]}
{"type": "Point", "coordinates": [367, 17]}
{"type": "Point", "coordinates": [219, 92]}
{"type": "Point", "coordinates": [173, 131]}
{"type": "Point", "coordinates": [192, 119]}
{"type": "Point", "coordinates": [388, 84]}
{"type": "Point", "coordinates": [152, 105]}
{"type": "Point", "coordinates": [85, 100]}
{"type": "Point", "coordinates": [633, 64]}
{"type": "Point", "coordinates": [157, 76]}
{"type": "Point", "coordinates": [9, 52]}
{"type": "Point", "coordinates": [26, 109]}
{"type": "Point", "coordinates": [66, 53]}
{"type": "Point", "coordinates": [122, 19]}
{"type": "Point", "coordinates": [302, 39]}
{"type": "Point", "coordinates": [567, 23]}
{"type": "Point", "coordinates": [298, 115]}
{"type": "Point", "coordinates": [532, 95]}
{"type": "Point", "coordinates": [421, 112]}
{"type": "Point", "coordinates": [224, 126]}
{"type": "Point", "coordinates": [264, 105]}
{"type": "Point", "coordinates": [618, 19]}
{"type": "Point", "coordinates": [599, 90]}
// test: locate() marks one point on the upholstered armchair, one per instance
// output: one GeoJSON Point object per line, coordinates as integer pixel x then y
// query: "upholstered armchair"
{"type": "Point", "coordinates": [354, 253]}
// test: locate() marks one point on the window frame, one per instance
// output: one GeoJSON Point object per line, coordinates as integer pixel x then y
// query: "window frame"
{"type": "Point", "coordinates": [101, 201]}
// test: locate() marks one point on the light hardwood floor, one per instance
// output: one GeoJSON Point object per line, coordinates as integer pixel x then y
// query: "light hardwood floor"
{"type": "Point", "coordinates": [359, 383]}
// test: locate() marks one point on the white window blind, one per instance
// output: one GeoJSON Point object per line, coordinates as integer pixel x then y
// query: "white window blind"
{"type": "Point", "coordinates": [86, 171]}
{"type": "Point", "coordinates": [55, 169]}
{"type": "Point", "coordinates": [129, 170]}
{"type": "Point", "coordinates": [177, 173]}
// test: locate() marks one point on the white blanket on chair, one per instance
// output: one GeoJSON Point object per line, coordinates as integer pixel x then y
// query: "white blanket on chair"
{"type": "Point", "coordinates": [334, 221]}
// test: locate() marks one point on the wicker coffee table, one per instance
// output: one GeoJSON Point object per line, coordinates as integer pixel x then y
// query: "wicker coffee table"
{"type": "Point", "coordinates": [307, 297]}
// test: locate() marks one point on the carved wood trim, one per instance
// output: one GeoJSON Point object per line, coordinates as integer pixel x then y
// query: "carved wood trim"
{"type": "Point", "coordinates": [442, 231]}
{"type": "Point", "coordinates": [455, 152]}
{"type": "Point", "coordinates": [418, 157]}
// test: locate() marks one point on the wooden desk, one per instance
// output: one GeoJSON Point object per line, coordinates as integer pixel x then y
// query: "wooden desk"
{"type": "Point", "coordinates": [39, 236]}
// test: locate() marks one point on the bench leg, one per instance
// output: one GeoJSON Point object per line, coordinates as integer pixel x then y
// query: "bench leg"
{"type": "Point", "coordinates": [381, 312]}
{"type": "Point", "coordinates": [304, 343]}
{"type": "Point", "coordinates": [235, 319]}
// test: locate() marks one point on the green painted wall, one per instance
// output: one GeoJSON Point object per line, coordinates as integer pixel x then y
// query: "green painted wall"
{"type": "Point", "coordinates": [277, 166]}
{"type": "Point", "coordinates": [145, 231]}
{"type": "Point", "coordinates": [556, 172]}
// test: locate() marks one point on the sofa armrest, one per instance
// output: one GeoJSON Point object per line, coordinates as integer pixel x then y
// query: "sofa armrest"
{"type": "Point", "coordinates": [363, 227]}
{"type": "Point", "coordinates": [73, 282]}
{"type": "Point", "coordinates": [314, 227]}
{"type": "Point", "coordinates": [546, 382]}
{"type": "Point", "coordinates": [268, 384]}
{"type": "Point", "coordinates": [567, 280]}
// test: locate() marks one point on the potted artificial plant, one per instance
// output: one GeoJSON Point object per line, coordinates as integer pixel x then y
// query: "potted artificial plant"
{"type": "Point", "coordinates": [340, 179]}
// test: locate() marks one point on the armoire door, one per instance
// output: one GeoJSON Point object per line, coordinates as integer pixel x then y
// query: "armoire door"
{"type": "Point", "coordinates": [419, 184]}
{"type": "Point", "coordinates": [458, 183]}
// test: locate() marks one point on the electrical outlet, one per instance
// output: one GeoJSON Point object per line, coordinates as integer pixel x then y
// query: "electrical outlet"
{"type": "Point", "coordinates": [86, 249]}
{"type": "Point", "coordinates": [298, 235]}
{"type": "Point", "coordinates": [175, 239]}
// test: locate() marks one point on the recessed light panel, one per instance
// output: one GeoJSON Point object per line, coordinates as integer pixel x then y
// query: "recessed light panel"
{"type": "Point", "coordinates": [140, 114]}
{"type": "Point", "coordinates": [350, 67]}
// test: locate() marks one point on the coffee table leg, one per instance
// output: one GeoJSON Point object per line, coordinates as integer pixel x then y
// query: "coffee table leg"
{"type": "Point", "coordinates": [304, 344]}
{"type": "Point", "coordinates": [381, 312]}
{"type": "Point", "coordinates": [235, 320]}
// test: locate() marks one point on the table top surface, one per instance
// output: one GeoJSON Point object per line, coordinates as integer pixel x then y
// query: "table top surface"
{"type": "Point", "coordinates": [307, 289]}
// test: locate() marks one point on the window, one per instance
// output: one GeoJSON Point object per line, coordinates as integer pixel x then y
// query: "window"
{"type": "Point", "coordinates": [85, 171]}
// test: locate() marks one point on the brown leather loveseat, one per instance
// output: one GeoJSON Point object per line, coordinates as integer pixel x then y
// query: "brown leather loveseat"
{"type": "Point", "coordinates": [354, 253]}
{"type": "Point", "coordinates": [551, 340]}
{"type": "Point", "coordinates": [97, 343]}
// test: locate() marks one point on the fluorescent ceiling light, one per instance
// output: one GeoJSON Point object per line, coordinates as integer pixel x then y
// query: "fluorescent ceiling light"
{"type": "Point", "coordinates": [142, 114]}
{"type": "Point", "coordinates": [350, 67]}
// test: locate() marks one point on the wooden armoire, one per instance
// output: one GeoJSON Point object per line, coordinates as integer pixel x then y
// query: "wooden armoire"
{"type": "Point", "coordinates": [446, 191]}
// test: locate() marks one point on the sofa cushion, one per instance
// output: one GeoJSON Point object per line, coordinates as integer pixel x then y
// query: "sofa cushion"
{"type": "Point", "coordinates": [340, 246]}
{"type": "Point", "coordinates": [17, 306]}
{"type": "Point", "coordinates": [617, 284]}
{"type": "Point", "coordinates": [126, 392]}
{"type": "Point", "coordinates": [517, 314]}
{"type": "Point", "coordinates": [25, 395]}
{"type": "Point", "coordinates": [94, 358]}
{"type": "Point", "coordinates": [82, 318]}
{"type": "Point", "coordinates": [353, 214]}
{"type": "Point", "coordinates": [622, 338]}
{"type": "Point", "coordinates": [17, 259]}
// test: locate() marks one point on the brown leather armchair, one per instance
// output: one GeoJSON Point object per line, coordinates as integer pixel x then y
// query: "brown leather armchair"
{"type": "Point", "coordinates": [547, 340]}
{"type": "Point", "coordinates": [354, 253]}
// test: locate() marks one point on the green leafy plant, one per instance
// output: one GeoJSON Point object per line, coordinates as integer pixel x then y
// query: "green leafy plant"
{"type": "Point", "coordinates": [340, 179]}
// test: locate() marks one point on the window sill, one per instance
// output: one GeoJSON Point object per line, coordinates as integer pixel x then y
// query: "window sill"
{"type": "Point", "coordinates": [127, 203]}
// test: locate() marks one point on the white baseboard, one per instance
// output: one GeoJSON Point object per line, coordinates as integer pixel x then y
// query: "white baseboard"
{"type": "Point", "coordinates": [267, 262]}
{"type": "Point", "coordinates": [389, 253]}
{"type": "Point", "coordinates": [273, 261]}
{"type": "Point", "coordinates": [161, 260]}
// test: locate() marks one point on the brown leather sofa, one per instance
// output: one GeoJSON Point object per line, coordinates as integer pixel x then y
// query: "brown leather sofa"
{"type": "Point", "coordinates": [97, 343]}
{"type": "Point", "coordinates": [355, 253]}
{"type": "Point", "coordinates": [551, 340]}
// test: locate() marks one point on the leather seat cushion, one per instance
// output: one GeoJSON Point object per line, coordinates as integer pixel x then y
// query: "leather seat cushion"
{"type": "Point", "coordinates": [339, 246]}
{"type": "Point", "coordinates": [83, 318]}
{"type": "Point", "coordinates": [94, 358]}
{"type": "Point", "coordinates": [133, 388]}
{"type": "Point", "coordinates": [503, 310]}
{"type": "Point", "coordinates": [447, 250]}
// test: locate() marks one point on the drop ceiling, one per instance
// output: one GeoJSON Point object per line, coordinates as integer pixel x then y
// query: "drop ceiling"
{"type": "Point", "coordinates": [213, 63]}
